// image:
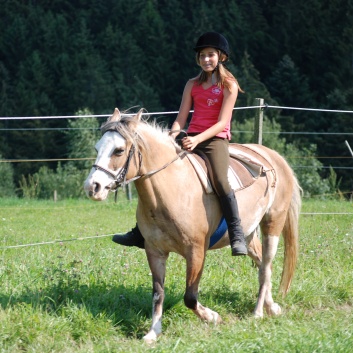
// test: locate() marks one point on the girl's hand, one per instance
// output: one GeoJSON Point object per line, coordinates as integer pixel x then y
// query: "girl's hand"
{"type": "Point", "coordinates": [189, 142]}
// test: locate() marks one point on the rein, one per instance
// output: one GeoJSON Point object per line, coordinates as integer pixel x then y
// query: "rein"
{"type": "Point", "coordinates": [159, 169]}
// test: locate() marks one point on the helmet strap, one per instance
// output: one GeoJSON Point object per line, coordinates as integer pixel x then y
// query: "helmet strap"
{"type": "Point", "coordinates": [214, 72]}
{"type": "Point", "coordinates": [214, 78]}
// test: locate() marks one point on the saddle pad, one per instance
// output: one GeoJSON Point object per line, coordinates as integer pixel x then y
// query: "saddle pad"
{"type": "Point", "coordinates": [244, 168]}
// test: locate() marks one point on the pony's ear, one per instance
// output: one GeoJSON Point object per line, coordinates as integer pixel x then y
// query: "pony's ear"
{"type": "Point", "coordinates": [116, 115]}
{"type": "Point", "coordinates": [138, 116]}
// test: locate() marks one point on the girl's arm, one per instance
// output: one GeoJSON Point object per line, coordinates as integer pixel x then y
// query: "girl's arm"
{"type": "Point", "coordinates": [185, 106]}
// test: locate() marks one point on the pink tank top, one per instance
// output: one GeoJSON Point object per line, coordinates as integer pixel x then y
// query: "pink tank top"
{"type": "Point", "coordinates": [207, 105]}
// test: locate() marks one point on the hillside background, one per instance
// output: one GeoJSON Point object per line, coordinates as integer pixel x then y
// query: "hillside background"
{"type": "Point", "coordinates": [60, 56]}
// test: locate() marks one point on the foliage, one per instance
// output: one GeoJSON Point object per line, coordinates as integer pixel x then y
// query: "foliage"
{"type": "Point", "coordinates": [29, 186]}
{"type": "Point", "coordinates": [335, 184]}
{"type": "Point", "coordinates": [290, 88]}
{"type": "Point", "coordinates": [7, 187]}
{"type": "Point", "coordinates": [95, 296]}
{"type": "Point", "coordinates": [307, 168]}
{"type": "Point", "coordinates": [243, 132]}
{"type": "Point", "coordinates": [66, 182]}
{"type": "Point", "coordinates": [82, 135]}
{"type": "Point", "coordinates": [58, 57]}
{"type": "Point", "coordinates": [249, 79]}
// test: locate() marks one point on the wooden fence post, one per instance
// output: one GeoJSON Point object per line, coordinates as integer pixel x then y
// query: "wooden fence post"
{"type": "Point", "coordinates": [259, 121]}
{"type": "Point", "coordinates": [351, 152]}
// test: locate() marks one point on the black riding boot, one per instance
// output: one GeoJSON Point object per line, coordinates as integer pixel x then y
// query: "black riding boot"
{"type": "Point", "coordinates": [132, 238]}
{"type": "Point", "coordinates": [229, 207]}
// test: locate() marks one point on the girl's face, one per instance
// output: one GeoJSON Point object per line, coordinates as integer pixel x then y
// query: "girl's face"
{"type": "Point", "coordinates": [208, 59]}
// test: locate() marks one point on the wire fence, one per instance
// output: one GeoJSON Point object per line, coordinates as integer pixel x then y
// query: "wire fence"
{"type": "Point", "coordinates": [62, 241]}
{"type": "Point", "coordinates": [264, 106]}
{"type": "Point", "coordinates": [150, 114]}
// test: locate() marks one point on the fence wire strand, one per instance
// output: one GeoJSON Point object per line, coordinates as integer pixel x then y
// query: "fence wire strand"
{"type": "Point", "coordinates": [62, 241]}
{"type": "Point", "coordinates": [264, 106]}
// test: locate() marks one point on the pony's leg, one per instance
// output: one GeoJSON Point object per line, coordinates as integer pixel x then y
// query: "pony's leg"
{"type": "Point", "coordinates": [157, 265]}
{"type": "Point", "coordinates": [254, 248]}
{"type": "Point", "coordinates": [270, 244]}
{"type": "Point", "coordinates": [194, 265]}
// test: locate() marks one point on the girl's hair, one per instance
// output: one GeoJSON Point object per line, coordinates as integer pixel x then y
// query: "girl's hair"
{"type": "Point", "coordinates": [223, 76]}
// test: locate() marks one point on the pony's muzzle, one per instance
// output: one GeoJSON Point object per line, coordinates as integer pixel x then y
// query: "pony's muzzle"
{"type": "Point", "coordinates": [92, 189]}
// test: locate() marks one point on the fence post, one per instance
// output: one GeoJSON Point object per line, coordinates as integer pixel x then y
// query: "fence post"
{"type": "Point", "coordinates": [351, 152]}
{"type": "Point", "coordinates": [259, 121]}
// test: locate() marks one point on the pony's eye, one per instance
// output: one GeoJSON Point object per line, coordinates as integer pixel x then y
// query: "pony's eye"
{"type": "Point", "coordinates": [118, 151]}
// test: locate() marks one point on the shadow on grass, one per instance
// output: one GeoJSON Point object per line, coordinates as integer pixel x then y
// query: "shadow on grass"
{"type": "Point", "coordinates": [128, 307]}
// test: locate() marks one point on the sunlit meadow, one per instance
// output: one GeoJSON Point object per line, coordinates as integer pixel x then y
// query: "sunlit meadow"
{"type": "Point", "coordinates": [80, 292]}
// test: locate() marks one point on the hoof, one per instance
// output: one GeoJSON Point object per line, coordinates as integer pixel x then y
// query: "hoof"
{"type": "Point", "coordinates": [275, 310]}
{"type": "Point", "coordinates": [258, 315]}
{"type": "Point", "coordinates": [150, 339]}
{"type": "Point", "coordinates": [216, 319]}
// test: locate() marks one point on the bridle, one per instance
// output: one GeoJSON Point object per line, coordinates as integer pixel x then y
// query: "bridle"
{"type": "Point", "coordinates": [120, 178]}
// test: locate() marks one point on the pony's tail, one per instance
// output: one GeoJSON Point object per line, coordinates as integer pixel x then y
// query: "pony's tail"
{"type": "Point", "coordinates": [291, 239]}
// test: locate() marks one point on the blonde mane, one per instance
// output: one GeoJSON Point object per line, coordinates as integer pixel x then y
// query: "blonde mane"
{"type": "Point", "coordinates": [135, 130]}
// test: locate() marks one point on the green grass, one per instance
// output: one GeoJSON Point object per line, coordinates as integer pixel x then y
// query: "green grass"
{"type": "Point", "coordinates": [94, 296]}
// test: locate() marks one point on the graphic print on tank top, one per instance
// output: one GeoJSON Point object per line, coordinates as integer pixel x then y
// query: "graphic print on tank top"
{"type": "Point", "coordinates": [216, 91]}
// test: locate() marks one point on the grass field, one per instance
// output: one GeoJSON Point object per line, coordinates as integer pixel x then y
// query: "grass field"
{"type": "Point", "coordinates": [94, 296]}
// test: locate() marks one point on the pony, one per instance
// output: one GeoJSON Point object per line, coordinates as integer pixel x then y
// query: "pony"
{"type": "Point", "coordinates": [176, 214]}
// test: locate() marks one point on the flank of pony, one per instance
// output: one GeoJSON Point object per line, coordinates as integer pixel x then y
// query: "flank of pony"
{"type": "Point", "coordinates": [133, 150]}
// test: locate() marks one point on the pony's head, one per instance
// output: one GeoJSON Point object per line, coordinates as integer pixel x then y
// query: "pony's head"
{"type": "Point", "coordinates": [118, 153]}
{"type": "Point", "coordinates": [125, 138]}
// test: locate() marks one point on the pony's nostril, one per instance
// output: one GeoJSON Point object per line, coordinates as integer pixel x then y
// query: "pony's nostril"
{"type": "Point", "coordinates": [96, 187]}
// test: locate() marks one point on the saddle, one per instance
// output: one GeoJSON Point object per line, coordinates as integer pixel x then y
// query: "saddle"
{"type": "Point", "coordinates": [245, 167]}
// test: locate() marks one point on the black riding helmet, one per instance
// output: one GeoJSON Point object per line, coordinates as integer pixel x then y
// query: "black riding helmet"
{"type": "Point", "coordinates": [213, 40]}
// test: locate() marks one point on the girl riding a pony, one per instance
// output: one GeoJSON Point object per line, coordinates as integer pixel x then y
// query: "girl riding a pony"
{"type": "Point", "coordinates": [212, 94]}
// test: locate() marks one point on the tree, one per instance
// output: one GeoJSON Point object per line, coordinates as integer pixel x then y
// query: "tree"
{"type": "Point", "coordinates": [290, 89]}
{"type": "Point", "coordinates": [249, 79]}
{"type": "Point", "coordinates": [82, 136]}
{"type": "Point", "coordinates": [60, 56]}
